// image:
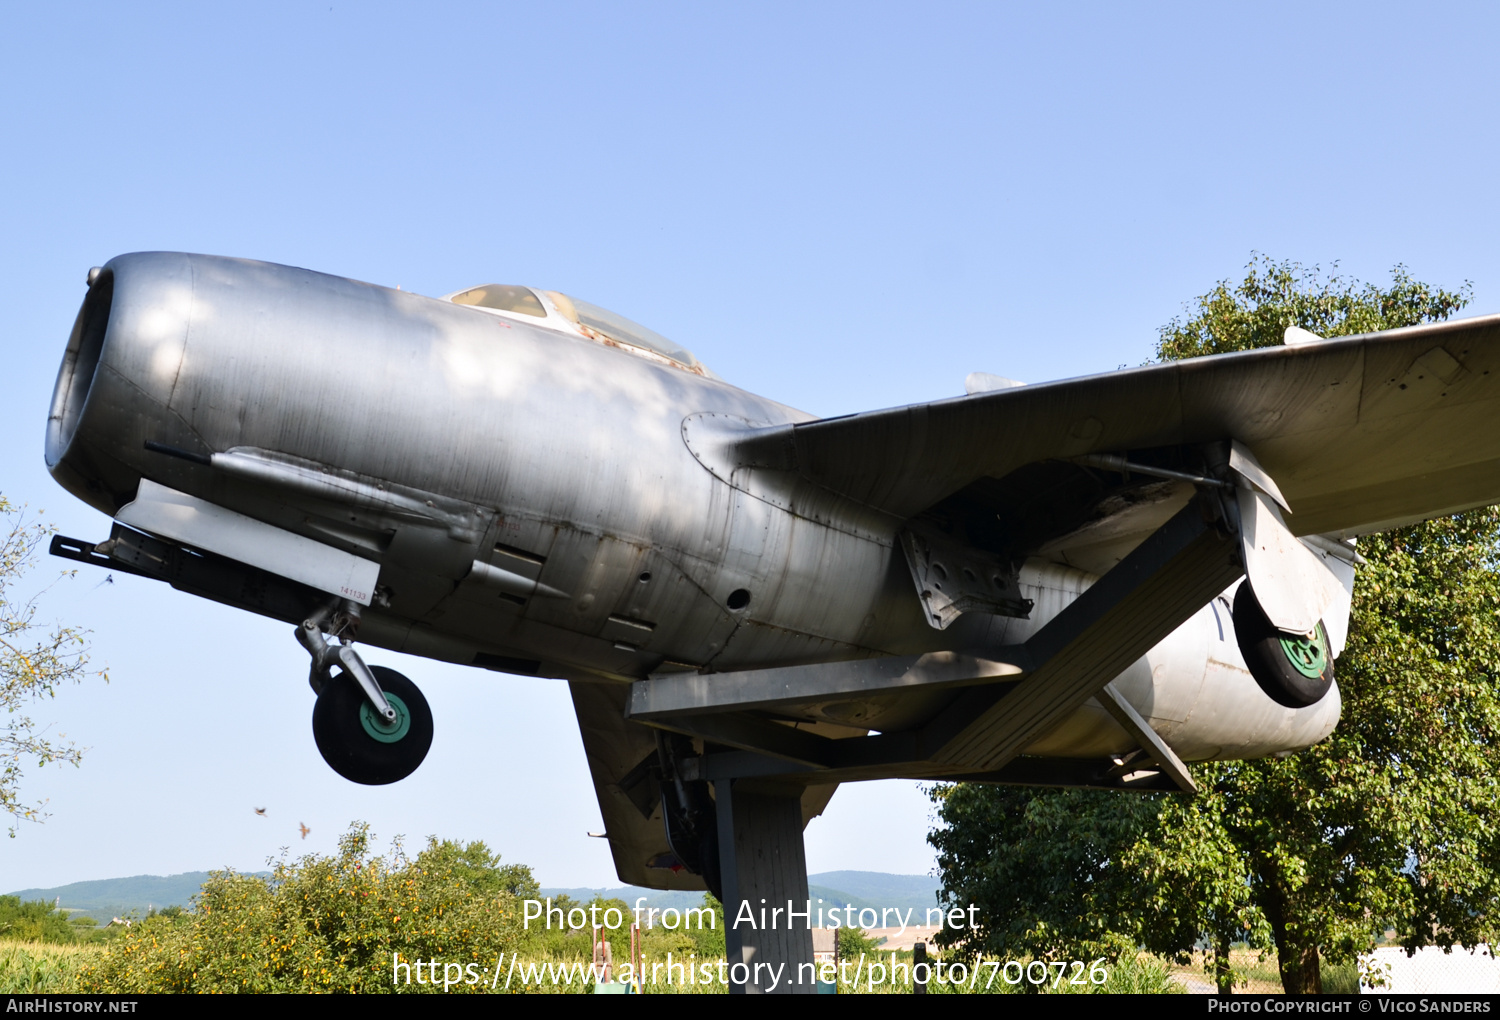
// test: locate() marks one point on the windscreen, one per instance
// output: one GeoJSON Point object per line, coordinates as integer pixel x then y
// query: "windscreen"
{"type": "Point", "coordinates": [503, 297]}
{"type": "Point", "coordinates": [617, 327]}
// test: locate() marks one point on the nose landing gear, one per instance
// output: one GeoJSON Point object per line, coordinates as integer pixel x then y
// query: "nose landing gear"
{"type": "Point", "coordinates": [371, 724]}
{"type": "Point", "coordinates": [358, 743]}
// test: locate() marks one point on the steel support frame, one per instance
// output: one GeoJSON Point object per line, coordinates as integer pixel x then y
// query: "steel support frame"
{"type": "Point", "coordinates": [980, 735]}
{"type": "Point", "coordinates": [763, 867]}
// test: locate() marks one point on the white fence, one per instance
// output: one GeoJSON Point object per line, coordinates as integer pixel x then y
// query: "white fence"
{"type": "Point", "coordinates": [1432, 969]}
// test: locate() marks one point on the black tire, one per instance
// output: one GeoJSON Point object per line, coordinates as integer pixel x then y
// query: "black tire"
{"type": "Point", "coordinates": [693, 837]}
{"type": "Point", "coordinates": [1293, 671]}
{"type": "Point", "coordinates": [346, 729]}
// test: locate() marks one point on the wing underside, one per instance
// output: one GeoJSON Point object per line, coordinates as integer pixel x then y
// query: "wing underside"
{"type": "Point", "coordinates": [1351, 436]}
{"type": "Point", "coordinates": [1361, 434]}
{"type": "Point", "coordinates": [622, 758]}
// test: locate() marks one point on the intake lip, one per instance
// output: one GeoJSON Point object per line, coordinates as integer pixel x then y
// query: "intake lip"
{"type": "Point", "coordinates": [75, 378]}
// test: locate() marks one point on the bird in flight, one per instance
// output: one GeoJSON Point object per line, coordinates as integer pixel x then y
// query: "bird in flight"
{"type": "Point", "coordinates": [261, 811]}
{"type": "Point", "coordinates": [305, 829]}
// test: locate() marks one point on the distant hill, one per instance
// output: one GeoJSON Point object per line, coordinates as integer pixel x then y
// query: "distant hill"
{"type": "Point", "coordinates": [877, 889]}
{"type": "Point", "coordinates": [629, 893]}
{"type": "Point", "coordinates": [116, 897]}
{"type": "Point", "coordinates": [852, 888]}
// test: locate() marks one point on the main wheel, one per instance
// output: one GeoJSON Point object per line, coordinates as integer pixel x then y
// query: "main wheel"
{"type": "Point", "coordinates": [1295, 671]}
{"type": "Point", "coordinates": [361, 746]}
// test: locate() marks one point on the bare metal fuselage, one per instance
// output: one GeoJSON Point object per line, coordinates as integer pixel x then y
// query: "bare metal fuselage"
{"type": "Point", "coordinates": [468, 437]}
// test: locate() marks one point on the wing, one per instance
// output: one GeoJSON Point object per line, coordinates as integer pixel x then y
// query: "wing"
{"type": "Point", "coordinates": [1361, 433]}
{"type": "Point", "coordinates": [622, 763]}
{"type": "Point", "coordinates": [1352, 435]}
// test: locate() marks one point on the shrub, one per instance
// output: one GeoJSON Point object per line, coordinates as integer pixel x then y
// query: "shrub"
{"type": "Point", "coordinates": [35, 921]}
{"type": "Point", "coordinates": [329, 924]}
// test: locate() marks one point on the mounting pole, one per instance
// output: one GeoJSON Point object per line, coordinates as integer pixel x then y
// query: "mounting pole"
{"type": "Point", "coordinates": [764, 873]}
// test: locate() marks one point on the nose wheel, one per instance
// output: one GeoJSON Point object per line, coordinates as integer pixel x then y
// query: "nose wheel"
{"type": "Point", "coordinates": [358, 742]}
{"type": "Point", "coordinates": [371, 724]}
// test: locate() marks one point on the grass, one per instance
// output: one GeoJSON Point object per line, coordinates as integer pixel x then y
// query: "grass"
{"type": "Point", "coordinates": [27, 967]}
{"type": "Point", "coordinates": [1143, 975]}
{"type": "Point", "coordinates": [31, 967]}
{"type": "Point", "coordinates": [1262, 976]}
{"type": "Point", "coordinates": [1259, 975]}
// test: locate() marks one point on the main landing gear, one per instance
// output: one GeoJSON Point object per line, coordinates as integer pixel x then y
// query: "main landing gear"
{"type": "Point", "coordinates": [1295, 670]}
{"type": "Point", "coordinates": [688, 812]}
{"type": "Point", "coordinates": [371, 724]}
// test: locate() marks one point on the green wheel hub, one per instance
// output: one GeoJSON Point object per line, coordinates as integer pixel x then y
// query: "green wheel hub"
{"type": "Point", "coordinates": [1309, 654]}
{"type": "Point", "coordinates": [378, 729]}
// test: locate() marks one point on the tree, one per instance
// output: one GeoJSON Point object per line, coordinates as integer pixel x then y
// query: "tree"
{"type": "Point", "coordinates": [1256, 312]}
{"type": "Point", "coordinates": [35, 921]}
{"type": "Point", "coordinates": [1394, 820]}
{"type": "Point", "coordinates": [34, 663]}
{"type": "Point", "coordinates": [1040, 866]}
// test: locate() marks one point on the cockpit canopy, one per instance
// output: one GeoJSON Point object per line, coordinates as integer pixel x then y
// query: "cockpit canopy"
{"type": "Point", "coordinates": [571, 315]}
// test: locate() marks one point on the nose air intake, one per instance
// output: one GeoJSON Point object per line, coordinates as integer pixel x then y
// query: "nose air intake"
{"type": "Point", "coordinates": [81, 360]}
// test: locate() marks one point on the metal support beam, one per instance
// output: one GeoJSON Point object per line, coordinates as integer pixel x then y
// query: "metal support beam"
{"type": "Point", "coordinates": [1149, 594]}
{"type": "Point", "coordinates": [764, 871]}
{"type": "Point", "coordinates": [740, 764]}
{"type": "Point", "coordinates": [752, 733]}
{"type": "Point", "coordinates": [662, 697]}
{"type": "Point", "coordinates": [1137, 773]}
{"type": "Point", "coordinates": [1156, 749]}
{"type": "Point", "coordinates": [1136, 776]}
{"type": "Point", "coordinates": [1159, 585]}
{"type": "Point", "coordinates": [729, 879]}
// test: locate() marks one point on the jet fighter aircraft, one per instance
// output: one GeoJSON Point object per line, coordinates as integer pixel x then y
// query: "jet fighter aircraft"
{"type": "Point", "coordinates": [1083, 583]}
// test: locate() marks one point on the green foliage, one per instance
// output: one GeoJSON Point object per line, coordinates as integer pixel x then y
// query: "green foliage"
{"type": "Point", "coordinates": [853, 941]}
{"type": "Point", "coordinates": [1135, 974]}
{"type": "Point", "coordinates": [35, 921]}
{"type": "Point", "coordinates": [619, 937]}
{"type": "Point", "coordinates": [1340, 979]}
{"type": "Point", "coordinates": [1274, 295]}
{"type": "Point", "coordinates": [708, 942]}
{"type": "Point", "coordinates": [1040, 866]}
{"type": "Point", "coordinates": [30, 967]}
{"type": "Point", "coordinates": [1393, 821]}
{"type": "Point", "coordinates": [32, 666]}
{"type": "Point", "coordinates": [474, 864]}
{"type": "Point", "coordinates": [336, 924]}
{"type": "Point", "coordinates": [326, 924]}
{"type": "Point", "coordinates": [890, 973]}
{"type": "Point", "coordinates": [1314, 851]}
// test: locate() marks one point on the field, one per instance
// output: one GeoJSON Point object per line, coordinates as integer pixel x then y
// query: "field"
{"type": "Point", "coordinates": [40, 967]}
{"type": "Point", "coordinates": [1261, 975]}
{"type": "Point", "coordinates": [32, 967]}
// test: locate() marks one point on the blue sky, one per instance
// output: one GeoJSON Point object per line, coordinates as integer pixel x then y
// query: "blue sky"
{"type": "Point", "coordinates": [843, 206]}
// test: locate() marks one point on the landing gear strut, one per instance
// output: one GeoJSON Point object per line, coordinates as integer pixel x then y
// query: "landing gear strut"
{"type": "Point", "coordinates": [371, 724]}
{"type": "Point", "coordinates": [688, 812]}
